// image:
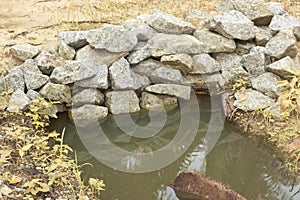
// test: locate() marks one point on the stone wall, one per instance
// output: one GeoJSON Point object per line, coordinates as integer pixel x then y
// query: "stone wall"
{"type": "Point", "coordinates": [153, 60]}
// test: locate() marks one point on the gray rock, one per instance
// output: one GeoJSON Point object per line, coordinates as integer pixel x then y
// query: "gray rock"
{"type": "Point", "coordinates": [65, 51]}
{"type": "Point", "coordinates": [142, 31]}
{"type": "Point", "coordinates": [87, 114]}
{"type": "Point", "coordinates": [146, 67]}
{"type": "Point", "coordinates": [266, 83]}
{"type": "Point", "coordinates": [258, 49]}
{"type": "Point", "coordinates": [251, 100]}
{"type": "Point", "coordinates": [32, 94]}
{"type": "Point", "coordinates": [47, 62]}
{"type": "Point", "coordinates": [157, 102]}
{"type": "Point", "coordinates": [18, 101]}
{"type": "Point", "coordinates": [13, 80]}
{"type": "Point", "coordinates": [123, 78]}
{"type": "Point", "coordinates": [100, 80]}
{"type": "Point", "coordinates": [276, 8]}
{"type": "Point", "coordinates": [254, 63]}
{"type": "Point", "coordinates": [112, 38]}
{"type": "Point", "coordinates": [297, 33]}
{"type": "Point", "coordinates": [232, 74]}
{"type": "Point", "coordinates": [196, 81]}
{"type": "Point", "coordinates": [182, 62]}
{"type": "Point", "coordinates": [180, 91]}
{"type": "Point", "coordinates": [75, 39]}
{"type": "Point", "coordinates": [88, 96]}
{"type": "Point", "coordinates": [192, 14]}
{"type": "Point", "coordinates": [165, 74]}
{"type": "Point", "coordinates": [56, 108]}
{"type": "Point", "coordinates": [165, 44]}
{"type": "Point", "coordinates": [243, 47]}
{"type": "Point", "coordinates": [99, 57]}
{"type": "Point", "coordinates": [56, 92]}
{"type": "Point", "coordinates": [24, 51]}
{"type": "Point", "coordinates": [283, 44]}
{"type": "Point", "coordinates": [72, 71]}
{"type": "Point", "coordinates": [214, 43]}
{"type": "Point", "coordinates": [276, 112]}
{"type": "Point", "coordinates": [205, 82]}
{"type": "Point", "coordinates": [282, 22]}
{"type": "Point", "coordinates": [262, 35]}
{"type": "Point", "coordinates": [255, 10]}
{"type": "Point", "coordinates": [139, 55]}
{"type": "Point", "coordinates": [283, 67]}
{"type": "Point", "coordinates": [166, 23]}
{"type": "Point", "coordinates": [119, 102]}
{"type": "Point", "coordinates": [140, 45]}
{"type": "Point", "coordinates": [232, 24]}
{"type": "Point", "coordinates": [205, 64]}
{"type": "Point", "coordinates": [227, 59]}
{"type": "Point", "coordinates": [33, 77]}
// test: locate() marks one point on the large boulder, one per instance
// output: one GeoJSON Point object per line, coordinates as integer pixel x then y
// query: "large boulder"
{"type": "Point", "coordinates": [213, 42]}
{"type": "Point", "coordinates": [13, 80]}
{"type": "Point", "coordinates": [88, 96]}
{"type": "Point", "coordinates": [24, 51]}
{"type": "Point", "coordinates": [165, 44]}
{"type": "Point", "coordinates": [254, 63]}
{"type": "Point", "coordinates": [47, 62]}
{"type": "Point", "coordinates": [283, 44]}
{"type": "Point", "coordinates": [88, 114]}
{"type": "Point", "coordinates": [75, 39]}
{"type": "Point", "coordinates": [283, 22]}
{"type": "Point", "coordinates": [232, 24]}
{"type": "Point", "coordinates": [18, 101]}
{"type": "Point", "coordinates": [98, 56]}
{"type": "Point", "coordinates": [283, 67]}
{"type": "Point", "coordinates": [112, 38]}
{"type": "Point", "coordinates": [180, 91]}
{"type": "Point", "coordinates": [72, 71]}
{"type": "Point", "coordinates": [123, 78]}
{"type": "Point", "coordinates": [267, 84]}
{"type": "Point", "coordinates": [56, 92]}
{"type": "Point", "coordinates": [250, 100]}
{"type": "Point", "coordinates": [182, 62]}
{"type": "Point", "coordinates": [156, 102]}
{"type": "Point", "coordinates": [205, 64]}
{"type": "Point", "coordinates": [33, 77]}
{"type": "Point", "coordinates": [122, 102]}
{"type": "Point", "coordinates": [166, 23]}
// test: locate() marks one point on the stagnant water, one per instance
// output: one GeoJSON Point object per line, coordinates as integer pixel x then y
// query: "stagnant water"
{"type": "Point", "coordinates": [245, 165]}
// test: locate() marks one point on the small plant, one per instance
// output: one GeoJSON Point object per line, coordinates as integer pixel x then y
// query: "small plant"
{"type": "Point", "coordinates": [241, 84]}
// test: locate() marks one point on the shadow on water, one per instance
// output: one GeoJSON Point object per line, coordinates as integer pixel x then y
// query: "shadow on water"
{"type": "Point", "coordinates": [245, 165]}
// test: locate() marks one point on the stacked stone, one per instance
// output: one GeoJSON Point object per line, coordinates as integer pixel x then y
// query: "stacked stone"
{"type": "Point", "coordinates": [153, 60]}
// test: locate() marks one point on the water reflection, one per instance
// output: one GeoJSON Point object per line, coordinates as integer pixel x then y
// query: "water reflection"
{"type": "Point", "coordinates": [245, 165]}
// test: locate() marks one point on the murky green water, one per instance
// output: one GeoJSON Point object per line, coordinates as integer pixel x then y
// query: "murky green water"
{"type": "Point", "coordinates": [247, 166]}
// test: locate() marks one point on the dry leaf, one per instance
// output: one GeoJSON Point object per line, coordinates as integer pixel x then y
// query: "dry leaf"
{"type": "Point", "coordinates": [244, 97]}
{"type": "Point", "coordinates": [15, 180]}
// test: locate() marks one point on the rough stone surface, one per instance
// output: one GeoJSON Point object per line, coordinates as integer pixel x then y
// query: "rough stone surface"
{"type": "Point", "coordinates": [166, 23]}
{"type": "Point", "coordinates": [297, 33]}
{"type": "Point", "coordinates": [251, 100]}
{"type": "Point", "coordinates": [75, 39]}
{"type": "Point", "coordinates": [179, 91]}
{"type": "Point", "coordinates": [182, 62]}
{"type": "Point", "coordinates": [99, 57]}
{"type": "Point", "coordinates": [139, 55]}
{"type": "Point", "coordinates": [13, 80]}
{"type": "Point", "coordinates": [146, 67]}
{"type": "Point", "coordinates": [205, 81]}
{"type": "Point", "coordinates": [18, 101]}
{"type": "Point", "coordinates": [33, 77]}
{"type": "Point", "coordinates": [266, 83]}
{"type": "Point", "coordinates": [283, 44]}
{"type": "Point", "coordinates": [24, 51]}
{"type": "Point", "coordinates": [88, 96]}
{"type": "Point", "coordinates": [255, 10]}
{"type": "Point", "coordinates": [119, 102]}
{"type": "Point", "coordinates": [65, 51]}
{"type": "Point", "coordinates": [151, 102]}
{"type": "Point", "coordinates": [47, 62]}
{"type": "Point", "coordinates": [214, 43]}
{"type": "Point", "coordinates": [227, 59]}
{"type": "Point", "coordinates": [112, 38]}
{"type": "Point", "coordinates": [275, 111]}
{"type": "Point", "coordinates": [123, 78]}
{"type": "Point", "coordinates": [56, 108]}
{"type": "Point", "coordinates": [72, 71]}
{"type": "Point", "coordinates": [276, 8]}
{"type": "Point", "coordinates": [100, 80]}
{"type": "Point", "coordinates": [56, 92]}
{"type": "Point", "coordinates": [32, 94]}
{"type": "Point", "coordinates": [254, 63]}
{"type": "Point", "coordinates": [232, 74]}
{"type": "Point", "coordinates": [205, 64]}
{"type": "Point", "coordinates": [232, 24]}
{"type": "Point", "coordinates": [282, 67]}
{"type": "Point", "coordinates": [282, 22]}
{"type": "Point", "coordinates": [262, 35]}
{"type": "Point", "coordinates": [165, 74]}
{"type": "Point", "coordinates": [142, 31]}
{"type": "Point", "coordinates": [87, 114]}
{"type": "Point", "coordinates": [166, 44]}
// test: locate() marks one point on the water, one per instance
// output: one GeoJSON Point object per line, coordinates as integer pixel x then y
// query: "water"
{"type": "Point", "coordinates": [245, 165]}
